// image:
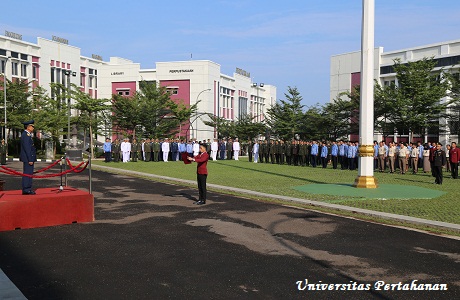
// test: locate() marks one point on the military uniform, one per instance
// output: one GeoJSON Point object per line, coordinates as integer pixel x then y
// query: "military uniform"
{"type": "Point", "coordinates": [288, 152]}
{"type": "Point", "coordinates": [116, 147]}
{"type": "Point", "coordinates": [156, 147]}
{"type": "Point", "coordinates": [135, 147]}
{"type": "Point", "coordinates": [272, 151]}
{"type": "Point", "coordinates": [28, 156]}
{"type": "Point", "coordinates": [148, 151]}
{"type": "Point", "coordinates": [3, 152]}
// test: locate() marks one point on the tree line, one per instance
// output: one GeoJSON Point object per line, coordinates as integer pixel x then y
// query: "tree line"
{"type": "Point", "coordinates": [413, 104]}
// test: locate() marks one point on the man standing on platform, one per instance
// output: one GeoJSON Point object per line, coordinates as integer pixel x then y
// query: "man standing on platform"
{"type": "Point", "coordinates": [28, 157]}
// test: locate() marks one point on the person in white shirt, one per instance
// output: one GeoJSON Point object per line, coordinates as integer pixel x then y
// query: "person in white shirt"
{"type": "Point", "coordinates": [214, 148]}
{"type": "Point", "coordinates": [255, 151]}
{"type": "Point", "coordinates": [165, 149]}
{"type": "Point", "coordinates": [196, 148]}
{"type": "Point", "coordinates": [236, 149]}
{"type": "Point", "coordinates": [414, 154]}
{"type": "Point", "coordinates": [125, 148]}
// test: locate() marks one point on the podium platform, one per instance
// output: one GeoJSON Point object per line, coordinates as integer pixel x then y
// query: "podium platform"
{"type": "Point", "coordinates": [49, 207]}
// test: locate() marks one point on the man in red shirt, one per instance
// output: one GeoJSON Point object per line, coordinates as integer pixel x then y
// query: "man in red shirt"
{"type": "Point", "coordinates": [202, 173]}
{"type": "Point", "coordinates": [454, 157]}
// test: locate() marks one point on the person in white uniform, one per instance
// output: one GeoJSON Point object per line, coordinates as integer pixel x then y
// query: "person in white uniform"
{"type": "Point", "coordinates": [125, 148]}
{"type": "Point", "coordinates": [255, 152]}
{"type": "Point", "coordinates": [196, 147]}
{"type": "Point", "coordinates": [236, 149]}
{"type": "Point", "coordinates": [214, 148]}
{"type": "Point", "coordinates": [165, 149]}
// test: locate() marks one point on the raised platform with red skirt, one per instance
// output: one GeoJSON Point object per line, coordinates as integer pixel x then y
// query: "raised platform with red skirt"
{"type": "Point", "coordinates": [48, 207]}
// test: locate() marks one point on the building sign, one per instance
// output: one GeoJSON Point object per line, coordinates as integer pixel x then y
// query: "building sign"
{"type": "Point", "coordinates": [95, 56]}
{"type": "Point", "coordinates": [117, 73]}
{"type": "Point", "coordinates": [243, 72]}
{"type": "Point", "coordinates": [60, 40]}
{"type": "Point", "coordinates": [181, 71]}
{"type": "Point", "coordinates": [13, 35]}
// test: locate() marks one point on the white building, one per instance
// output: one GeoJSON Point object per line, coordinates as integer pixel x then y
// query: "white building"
{"type": "Point", "coordinates": [345, 72]}
{"type": "Point", "coordinates": [55, 61]}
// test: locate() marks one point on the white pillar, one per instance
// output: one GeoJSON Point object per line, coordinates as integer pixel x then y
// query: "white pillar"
{"type": "Point", "coordinates": [365, 177]}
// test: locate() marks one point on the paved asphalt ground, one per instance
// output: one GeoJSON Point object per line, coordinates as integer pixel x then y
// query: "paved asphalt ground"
{"type": "Point", "coordinates": [149, 241]}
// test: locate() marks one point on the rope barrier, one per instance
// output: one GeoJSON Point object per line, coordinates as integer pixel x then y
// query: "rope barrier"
{"type": "Point", "coordinates": [74, 169]}
{"type": "Point", "coordinates": [48, 167]}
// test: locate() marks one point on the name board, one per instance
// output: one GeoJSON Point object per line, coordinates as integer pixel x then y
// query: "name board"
{"type": "Point", "coordinates": [181, 71]}
{"type": "Point", "coordinates": [243, 72]}
{"type": "Point", "coordinates": [13, 35]}
{"type": "Point", "coordinates": [95, 56]}
{"type": "Point", "coordinates": [60, 40]}
{"type": "Point", "coordinates": [117, 73]}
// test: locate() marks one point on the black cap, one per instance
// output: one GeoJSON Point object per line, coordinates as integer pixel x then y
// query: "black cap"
{"type": "Point", "coordinates": [27, 123]}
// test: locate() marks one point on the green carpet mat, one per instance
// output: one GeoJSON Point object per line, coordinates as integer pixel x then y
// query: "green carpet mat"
{"type": "Point", "coordinates": [383, 191]}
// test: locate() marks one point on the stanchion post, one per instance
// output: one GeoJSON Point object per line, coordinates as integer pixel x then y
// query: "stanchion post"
{"type": "Point", "coordinates": [90, 176]}
{"type": "Point", "coordinates": [65, 167]}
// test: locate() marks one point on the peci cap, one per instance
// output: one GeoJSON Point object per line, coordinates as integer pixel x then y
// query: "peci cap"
{"type": "Point", "coordinates": [27, 123]}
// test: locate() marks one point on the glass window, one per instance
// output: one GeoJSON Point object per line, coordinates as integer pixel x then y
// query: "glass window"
{"type": "Point", "coordinates": [95, 82]}
{"type": "Point", "coordinates": [2, 67]}
{"type": "Point", "coordinates": [90, 81]}
{"type": "Point", "coordinates": [14, 54]}
{"type": "Point", "coordinates": [52, 75]}
{"type": "Point", "coordinates": [14, 68]}
{"type": "Point", "coordinates": [34, 71]}
{"type": "Point", "coordinates": [24, 56]}
{"type": "Point", "coordinates": [82, 78]}
{"type": "Point", "coordinates": [23, 70]}
{"type": "Point", "coordinates": [3, 52]}
{"type": "Point", "coordinates": [58, 76]}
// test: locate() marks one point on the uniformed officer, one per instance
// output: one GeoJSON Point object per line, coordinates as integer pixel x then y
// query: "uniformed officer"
{"type": "Point", "coordinates": [135, 147]}
{"type": "Point", "coordinates": [3, 152]}
{"type": "Point", "coordinates": [28, 157]}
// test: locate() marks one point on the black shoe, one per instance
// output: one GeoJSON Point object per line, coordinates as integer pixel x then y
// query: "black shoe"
{"type": "Point", "coordinates": [201, 202]}
{"type": "Point", "coordinates": [28, 193]}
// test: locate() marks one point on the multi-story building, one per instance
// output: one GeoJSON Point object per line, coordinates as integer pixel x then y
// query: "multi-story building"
{"type": "Point", "coordinates": [55, 61]}
{"type": "Point", "coordinates": [345, 74]}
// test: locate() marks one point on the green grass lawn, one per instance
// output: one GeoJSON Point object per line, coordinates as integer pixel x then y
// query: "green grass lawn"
{"type": "Point", "coordinates": [281, 180]}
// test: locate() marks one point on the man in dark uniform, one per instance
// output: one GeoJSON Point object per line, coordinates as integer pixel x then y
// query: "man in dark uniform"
{"type": "Point", "coordinates": [229, 148]}
{"type": "Point", "coordinates": [288, 152]}
{"type": "Point", "coordinates": [3, 152]}
{"type": "Point", "coordinates": [116, 147]}
{"type": "Point", "coordinates": [135, 146]}
{"type": "Point", "coordinates": [174, 150]}
{"type": "Point", "coordinates": [156, 150]}
{"type": "Point", "coordinates": [28, 157]}
{"type": "Point", "coordinates": [439, 161]}
{"type": "Point", "coordinates": [272, 151]}
{"type": "Point", "coordinates": [250, 145]}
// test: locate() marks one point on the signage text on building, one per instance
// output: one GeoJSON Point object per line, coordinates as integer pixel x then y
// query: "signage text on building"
{"type": "Point", "coordinates": [95, 56]}
{"type": "Point", "coordinates": [243, 72]}
{"type": "Point", "coordinates": [13, 35]}
{"type": "Point", "coordinates": [117, 73]}
{"type": "Point", "coordinates": [181, 71]}
{"type": "Point", "coordinates": [60, 40]}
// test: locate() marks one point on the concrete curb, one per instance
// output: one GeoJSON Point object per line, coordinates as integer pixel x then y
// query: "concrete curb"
{"type": "Point", "coordinates": [401, 218]}
{"type": "Point", "coordinates": [38, 160]}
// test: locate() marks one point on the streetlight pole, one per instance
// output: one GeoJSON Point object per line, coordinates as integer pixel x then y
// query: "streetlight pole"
{"type": "Point", "coordinates": [4, 99]}
{"type": "Point", "coordinates": [196, 101]}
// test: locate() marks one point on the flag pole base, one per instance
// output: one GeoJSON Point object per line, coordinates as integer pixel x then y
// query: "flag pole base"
{"type": "Point", "coordinates": [366, 182]}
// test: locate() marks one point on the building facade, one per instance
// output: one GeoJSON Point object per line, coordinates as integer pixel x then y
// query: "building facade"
{"type": "Point", "coordinates": [345, 74]}
{"type": "Point", "coordinates": [55, 61]}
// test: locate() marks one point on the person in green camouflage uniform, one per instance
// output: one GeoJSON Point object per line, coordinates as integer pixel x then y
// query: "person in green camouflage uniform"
{"type": "Point", "coordinates": [135, 147]}
{"type": "Point", "coordinates": [116, 148]}
{"type": "Point", "coordinates": [147, 150]}
{"type": "Point", "coordinates": [156, 149]}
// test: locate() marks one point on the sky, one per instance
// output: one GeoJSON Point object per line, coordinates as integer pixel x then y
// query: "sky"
{"type": "Point", "coordinates": [282, 43]}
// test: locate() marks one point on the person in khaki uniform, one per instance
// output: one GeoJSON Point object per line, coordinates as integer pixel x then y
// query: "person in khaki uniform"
{"type": "Point", "coordinates": [156, 149]}
{"type": "Point", "coordinates": [382, 155]}
{"type": "Point", "coordinates": [403, 156]}
{"type": "Point", "coordinates": [414, 154]}
{"type": "Point", "coordinates": [391, 157]}
{"type": "Point", "coordinates": [135, 147]}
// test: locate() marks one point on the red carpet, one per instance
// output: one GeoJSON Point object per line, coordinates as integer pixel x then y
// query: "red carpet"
{"type": "Point", "coordinates": [48, 207]}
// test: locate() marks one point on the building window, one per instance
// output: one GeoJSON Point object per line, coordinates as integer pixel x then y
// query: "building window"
{"type": "Point", "coordinates": [34, 71]}
{"type": "Point", "coordinates": [2, 67]}
{"type": "Point", "coordinates": [52, 75]}
{"type": "Point", "coordinates": [14, 54]}
{"type": "Point", "coordinates": [23, 70]}
{"type": "Point", "coordinates": [95, 82]}
{"type": "Point", "coordinates": [24, 56]}
{"type": "Point", "coordinates": [58, 76]}
{"type": "Point", "coordinates": [82, 79]}
{"type": "Point", "coordinates": [14, 68]}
